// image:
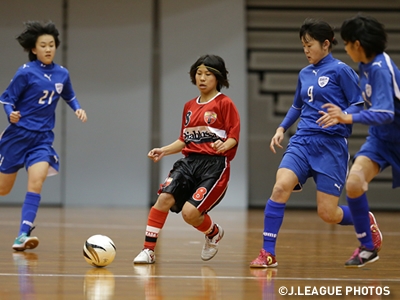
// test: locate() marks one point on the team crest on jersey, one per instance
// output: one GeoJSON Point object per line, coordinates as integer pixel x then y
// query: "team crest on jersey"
{"type": "Point", "coordinates": [323, 81]}
{"type": "Point", "coordinates": [210, 117]}
{"type": "Point", "coordinates": [368, 90]}
{"type": "Point", "coordinates": [59, 87]}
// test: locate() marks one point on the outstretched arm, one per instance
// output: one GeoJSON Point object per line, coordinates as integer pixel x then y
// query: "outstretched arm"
{"type": "Point", "coordinates": [157, 153]}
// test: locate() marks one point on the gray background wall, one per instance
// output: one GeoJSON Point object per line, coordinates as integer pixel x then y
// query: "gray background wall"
{"type": "Point", "coordinates": [109, 55]}
{"type": "Point", "coordinates": [12, 16]}
{"type": "Point", "coordinates": [119, 75]}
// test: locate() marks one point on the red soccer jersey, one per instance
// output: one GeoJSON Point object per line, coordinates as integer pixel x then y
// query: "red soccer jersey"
{"type": "Point", "coordinates": [205, 123]}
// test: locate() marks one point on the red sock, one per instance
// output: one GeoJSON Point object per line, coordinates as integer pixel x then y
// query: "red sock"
{"type": "Point", "coordinates": [207, 227]}
{"type": "Point", "coordinates": [155, 223]}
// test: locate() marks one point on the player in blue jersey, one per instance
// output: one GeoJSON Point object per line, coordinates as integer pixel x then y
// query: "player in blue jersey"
{"type": "Point", "coordinates": [321, 153]}
{"type": "Point", "coordinates": [365, 42]}
{"type": "Point", "coordinates": [30, 102]}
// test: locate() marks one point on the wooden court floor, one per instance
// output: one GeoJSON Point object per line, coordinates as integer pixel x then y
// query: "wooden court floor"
{"type": "Point", "coordinates": [311, 256]}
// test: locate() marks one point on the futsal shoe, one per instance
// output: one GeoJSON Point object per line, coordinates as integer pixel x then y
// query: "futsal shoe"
{"type": "Point", "coordinates": [264, 260]}
{"type": "Point", "coordinates": [210, 247]}
{"type": "Point", "coordinates": [375, 232]}
{"type": "Point", "coordinates": [361, 257]}
{"type": "Point", "coordinates": [146, 256]}
{"type": "Point", "coordinates": [24, 241]}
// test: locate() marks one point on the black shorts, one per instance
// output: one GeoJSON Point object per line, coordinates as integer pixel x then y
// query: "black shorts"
{"type": "Point", "coordinates": [199, 179]}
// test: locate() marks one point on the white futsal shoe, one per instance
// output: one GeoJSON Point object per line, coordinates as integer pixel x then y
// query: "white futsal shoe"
{"type": "Point", "coordinates": [146, 256]}
{"type": "Point", "coordinates": [210, 247]}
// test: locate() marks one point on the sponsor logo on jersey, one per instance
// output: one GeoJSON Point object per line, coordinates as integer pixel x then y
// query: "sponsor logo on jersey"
{"type": "Point", "coordinates": [210, 117]}
{"type": "Point", "coordinates": [323, 81]}
{"type": "Point", "coordinates": [199, 136]}
{"type": "Point", "coordinates": [59, 87]}
{"type": "Point", "coordinates": [368, 90]}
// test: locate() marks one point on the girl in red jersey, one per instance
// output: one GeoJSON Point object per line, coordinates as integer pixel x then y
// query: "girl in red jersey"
{"type": "Point", "coordinates": [208, 140]}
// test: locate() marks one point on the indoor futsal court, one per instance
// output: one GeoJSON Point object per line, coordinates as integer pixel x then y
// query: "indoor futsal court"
{"type": "Point", "coordinates": [310, 253]}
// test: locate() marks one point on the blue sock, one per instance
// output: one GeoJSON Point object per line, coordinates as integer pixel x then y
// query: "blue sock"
{"type": "Point", "coordinates": [273, 218]}
{"type": "Point", "coordinates": [347, 218]}
{"type": "Point", "coordinates": [360, 211]}
{"type": "Point", "coordinates": [28, 213]}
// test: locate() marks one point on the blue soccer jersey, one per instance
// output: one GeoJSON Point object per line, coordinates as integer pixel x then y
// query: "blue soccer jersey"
{"type": "Point", "coordinates": [328, 81]}
{"type": "Point", "coordinates": [380, 81]}
{"type": "Point", "coordinates": [34, 91]}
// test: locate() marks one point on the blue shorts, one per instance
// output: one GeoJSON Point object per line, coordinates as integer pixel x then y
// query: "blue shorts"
{"type": "Point", "coordinates": [20, 147]}
{"type": "Point", "coordinates": [385, 154]}
{"type": "Point", "coordinates": [321, 156]}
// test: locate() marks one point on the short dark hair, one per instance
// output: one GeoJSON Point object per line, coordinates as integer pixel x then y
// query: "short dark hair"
{"type": "Point", "coordinates": [215, 65]}
{"type": "Point", "coordinates": [33, 29]}
{"type": "Point", "coordinates": [318, 30]}
{"type": "Point", "coordinates": [368, 31]}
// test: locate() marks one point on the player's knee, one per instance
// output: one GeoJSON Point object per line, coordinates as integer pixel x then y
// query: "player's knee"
{"type": "Point", "coordinates": [327, 215]}
{"type": "Point", "coordinates": [279, 191]}
{"type": "Point", "coordinates": [190, 214]}
{"type": "Point", "coordinates": [356, 184]}
{"type": "Point", "coordinates": [35, 185]}
{"type": "Point", "coordinates": [353, 185]}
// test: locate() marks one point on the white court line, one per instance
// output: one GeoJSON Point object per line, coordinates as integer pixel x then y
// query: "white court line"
{"type": "Point", "coordinates": [181, 228]}
{"type": "Point", "coordinates": [200, 277]}
{"type": "Point", "coordinates": [187, 228]}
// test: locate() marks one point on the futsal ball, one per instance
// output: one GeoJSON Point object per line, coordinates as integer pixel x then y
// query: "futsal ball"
{"type": "Point", "coordinates": [99, 250]}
